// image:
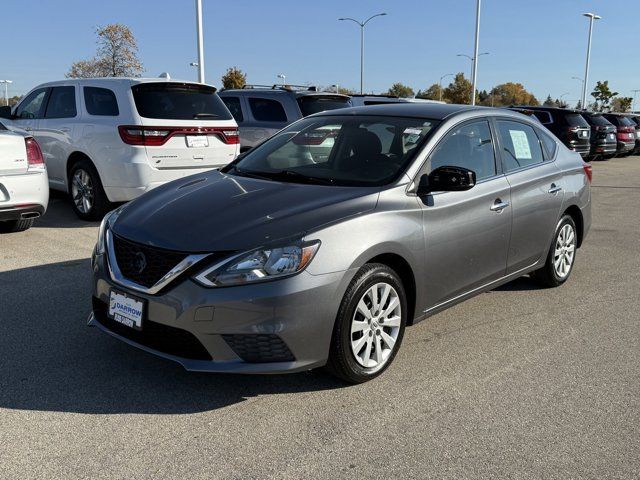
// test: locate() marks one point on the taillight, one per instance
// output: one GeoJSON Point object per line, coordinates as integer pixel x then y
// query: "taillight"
{"type": "Point", "coordinates": [35, 160]}
{"type": "Point", "coordinates": [157, 136]}
{"type": "Point", "coordinates": [588, 170]}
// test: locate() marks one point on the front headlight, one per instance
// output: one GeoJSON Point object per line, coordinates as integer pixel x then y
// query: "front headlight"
{"type": "Point", "coordinates": [107, 221]}
{"type": "Point", "coordinates": [260, 265]}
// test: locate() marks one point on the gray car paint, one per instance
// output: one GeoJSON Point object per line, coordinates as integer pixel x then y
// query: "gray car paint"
{"type": "Point", "coordinates": [454, 244]}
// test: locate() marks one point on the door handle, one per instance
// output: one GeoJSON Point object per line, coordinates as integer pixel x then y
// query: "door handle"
{"type": "Point", "coordinates": [554, 189]}
{"type": "Point", "coordinates": [498, 206]}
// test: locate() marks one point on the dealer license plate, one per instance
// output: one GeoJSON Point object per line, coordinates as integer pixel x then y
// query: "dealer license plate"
{"type": "Point", "coordinates": [126, 309]}
{"type": "Point", "coordinates": [197, 141]}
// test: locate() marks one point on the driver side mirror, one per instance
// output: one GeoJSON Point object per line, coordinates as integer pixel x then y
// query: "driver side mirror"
{"type": "Point", "coordinates": [5, 112]}
{"type": "Point", "coordinates": [447, 179]}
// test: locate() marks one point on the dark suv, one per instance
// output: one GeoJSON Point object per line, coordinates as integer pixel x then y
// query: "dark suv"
{"type": "Point", "coordinates": [262, 110]}
{"type": "Point", "coordinates": [626, 132]}
{"type": "Point", "coordinates": [566, 124]}
{"type": "Point", "coordinates": [603, 136]}
{"type": "Point", "coordinates": [635, 118]}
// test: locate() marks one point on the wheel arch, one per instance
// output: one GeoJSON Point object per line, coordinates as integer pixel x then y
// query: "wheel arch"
{"type": "Point", "coordinates": [576, 214]}
{"type": "Point", "coordinates": [74, 158]}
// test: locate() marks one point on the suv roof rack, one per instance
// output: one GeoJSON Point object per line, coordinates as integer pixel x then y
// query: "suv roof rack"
{"type": "Point", "coordinates": [287, 87]}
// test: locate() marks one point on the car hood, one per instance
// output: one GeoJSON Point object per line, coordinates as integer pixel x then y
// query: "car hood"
{"type": "Point", "coordinates": [213, 212]}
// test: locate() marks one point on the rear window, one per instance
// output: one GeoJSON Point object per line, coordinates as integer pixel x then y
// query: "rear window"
{"type": "Point", "coordinates": [310, 104]}
{"type": "Point", "coordinates": [100, 101]}
{"type": "Point", "coordinates": [626, 122]}
{"type": "Point", "coordinates": [598, 120]}
{"type": "Point", "coordinates": [549, 142]}
{"type": "Point", "coordinates": [179, 101]}
{"type": "Point", "coordinates": [544, 117]}
{"type": "Point", "coordinates": [575, 120]}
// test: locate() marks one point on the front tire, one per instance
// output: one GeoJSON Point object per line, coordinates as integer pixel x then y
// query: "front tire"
{"type": "Point", "coordinates": [14, 226]}
{"type": "Point", "coordinates": [561, 256]}
{"type": "Point", "coordinates": [87, 195]}
{"type": "Point", "coordinates": [370, 325]}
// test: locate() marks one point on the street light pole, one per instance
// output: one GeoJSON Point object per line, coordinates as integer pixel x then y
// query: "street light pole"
{"type": "Point", "coordinates": [592, 17]}
{"type": "Point", "coordinates": [473, 67]}
{"type": "Point", "coordinates": [200, 42]}
{"type": "Point", "coordinates": [6, 95]}
{"type": "Point", "coordinates": [362, 25]}
{"type": "Point", "coordinates": [440, 83]}
{"type": "Point", "coordinates": [474, 73]}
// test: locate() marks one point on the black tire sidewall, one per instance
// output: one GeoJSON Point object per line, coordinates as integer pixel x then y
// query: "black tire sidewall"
{"type": "Point", "coordinates": [368, 276]}
{"type": "Point", "coordinates": [551, 257]}
{"type": "Point", "coordinates": [101, 204]}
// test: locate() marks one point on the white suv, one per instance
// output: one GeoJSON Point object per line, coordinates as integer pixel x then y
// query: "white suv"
{"type": "Point", "coordinates": [109, 140]}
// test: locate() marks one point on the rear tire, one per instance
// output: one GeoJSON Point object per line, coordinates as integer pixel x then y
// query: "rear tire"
{"type": "Point", "coordinates": [561, 256]}
{"type": "Point", "coordinates": [14, 226]}
{"type": "Point", "coordinates": [87, 195]}
{"type": "Point", "coordinates": [369, 326]}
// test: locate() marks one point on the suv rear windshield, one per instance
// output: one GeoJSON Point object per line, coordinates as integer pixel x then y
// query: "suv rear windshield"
{"type": "Point", "coordinates": [310, 104]}
{"type": "Point", "coordinates": [598, 120]}
{"type": "Point", "coordinates": [626, 122]}
{"type": "Point", "coordinates": [575, 120]}
{"type": "Point", "coordinates": [179, 101]}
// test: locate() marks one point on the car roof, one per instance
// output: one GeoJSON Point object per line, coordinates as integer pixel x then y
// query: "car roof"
{"type": "Point", "coordinates": [434, 111]}
{"type": "Point", "coordinates": [551, 109]}
{"type": "Point", "coordinates": [261, 92]}
{"type": "Point", "coordinates": [116, 80]}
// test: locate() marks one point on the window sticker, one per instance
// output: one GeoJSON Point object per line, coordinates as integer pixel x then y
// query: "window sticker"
{"type": "Point", "coordinates": [520, 144]}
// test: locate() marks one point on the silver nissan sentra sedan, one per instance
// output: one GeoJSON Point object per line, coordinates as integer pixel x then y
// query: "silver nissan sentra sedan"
{"type": "Point", "coordinates": [319, 246]}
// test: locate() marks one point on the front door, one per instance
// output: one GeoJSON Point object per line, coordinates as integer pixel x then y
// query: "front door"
{"type": "Point", "coordinates": [466, 233]}
{"type": "Point", "coordinates": [30, 110]}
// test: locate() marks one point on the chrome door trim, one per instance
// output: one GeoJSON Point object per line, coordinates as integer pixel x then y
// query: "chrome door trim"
{"type": "Point", "coordinates": [117, 277]}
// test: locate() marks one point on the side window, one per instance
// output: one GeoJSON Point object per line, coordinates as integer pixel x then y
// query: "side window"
{"type": "Point", "coordinates": [100, 101]}
{"type": "Point", "coordinates": [520, 145]}
{"type": "Point", "coordinates": [62, 103]}
{"type": "Point", "coordinates": [550, 144]}
{"type": "Point", "coordinates": [469, 146]}
{"type": "Point", "coordinates": [233, 104]}
{"type": "Point", "coordinates": [265, 110]}
{"type": "Point", "coordinates": [544, 117]}
{"type": "Point", "coordinates": [33, 105]}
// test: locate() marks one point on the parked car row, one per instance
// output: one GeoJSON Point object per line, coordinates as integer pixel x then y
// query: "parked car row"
{"type": "Point", "coordinates": [593, 135]}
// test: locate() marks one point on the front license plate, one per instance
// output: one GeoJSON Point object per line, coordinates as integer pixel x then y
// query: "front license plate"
{"type": "Point", "coordinates": [197, 141]}
{"type": "Point", "coordinates": [126, 309]}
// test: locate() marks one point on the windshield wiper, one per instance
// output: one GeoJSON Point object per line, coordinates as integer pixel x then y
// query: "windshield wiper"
{"type": "Point", "coordinates": [291, 174]}
{"type": "Point", "coordinates": [205, 115]}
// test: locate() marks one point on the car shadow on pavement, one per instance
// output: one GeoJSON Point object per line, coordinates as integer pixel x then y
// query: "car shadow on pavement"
{"type": "Point", "coordinates": [51, 361]}
{"type": "Point", "coordinates": [60, 214]}
{"type": "Point", "coordinates": [520, 284]}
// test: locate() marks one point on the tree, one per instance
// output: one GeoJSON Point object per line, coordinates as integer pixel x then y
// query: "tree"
{"type": "Point", "coordinates": [549, 102]}
{"type": "Point", "coordinates": [400, 90]}
{"type": "Point", "coordinates": [603, 95]}
{"type": "Point", "coordinates": [116, 56]}
{"type": "Point", "coordinates": [560, 103]}
{"type": "Point", "coordinates": [12, 100]}
{"type": "Point", "coordinates": [341, 90]}
{"type": "Point", "coordinates": [513, 94]}
{"type": "Point", "coordinates": [434, 92]}
{"type": "Point", "coordinates": [458, 91]}
{"type": "Point", "coordinates": [234, 78]}
{"type": "Point", "coordinates": [621, 104]}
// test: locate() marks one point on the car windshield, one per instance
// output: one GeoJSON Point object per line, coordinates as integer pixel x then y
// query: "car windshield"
{"type": "Point", "coordinates": [310, 104]}
{"type": "Point", "coordinates": [179, 101]}
{"type": "Point", "coordinates": [598, 120]}
{"type": "Point", "coordinates": [337, 150]}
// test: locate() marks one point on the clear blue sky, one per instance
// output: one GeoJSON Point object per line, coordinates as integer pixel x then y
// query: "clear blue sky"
{"type": "Point", "coordinates": [540, 43]}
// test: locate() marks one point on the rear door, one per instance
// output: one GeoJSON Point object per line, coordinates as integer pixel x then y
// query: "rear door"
{"type": "Point", "coordinates": [55, 131]}
{"type": "Point", "coordinates": [186, 125]}
{"type": "Point", "coordinates": [536, 191]}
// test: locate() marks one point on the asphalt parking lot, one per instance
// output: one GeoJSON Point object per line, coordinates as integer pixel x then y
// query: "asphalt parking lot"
{"type": "Point", "coordinates": [520, 382]}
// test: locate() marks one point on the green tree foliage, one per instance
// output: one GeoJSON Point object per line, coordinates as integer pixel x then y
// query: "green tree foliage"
{"type": "Point", "coordinates": [432, 93]}
{"type": "Point", "coordinates": [621, 104]}
{"type": "Point", "coordinates": [549, 102]}
{"type": "Point", "coordinates": [234, 78]}
{"type": "Point", "coordinates": [341, 90]}
{"type": "Point", "coordinates": [603, 95]}
{"type": "Point", "coordinates": [401, 90]}
{"type": "Point", "coordinates": [512, 94]}
{"type": "Point", "coordinates": [12, 100]}
{"type": "Point", "coordinates": [458, 91]}
{"type": "Point", "coordinates": [116, 56]}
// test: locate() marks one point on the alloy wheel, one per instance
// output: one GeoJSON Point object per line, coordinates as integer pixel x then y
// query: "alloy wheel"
{"type": "Point", "coordinates": [565, 250]}
{"type": "Point", "coordinates": [375, 325]}
{"type": "Point", "coordinates": [82, 191]}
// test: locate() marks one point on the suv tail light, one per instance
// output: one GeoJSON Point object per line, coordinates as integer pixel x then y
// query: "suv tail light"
{"type": "Point", "coordinates": [588, 170]}
{"type": "Point", "coordinates": [157, 136]}
{"type": "Point", "coordinates": [35, 160]}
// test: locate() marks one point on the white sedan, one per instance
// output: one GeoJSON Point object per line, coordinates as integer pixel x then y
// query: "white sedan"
{"type": "Point", "coordinates": [24, 187]}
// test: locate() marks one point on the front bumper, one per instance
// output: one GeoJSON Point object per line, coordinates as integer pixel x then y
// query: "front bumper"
{"type": "Point", "coordinates": [272, 327]}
